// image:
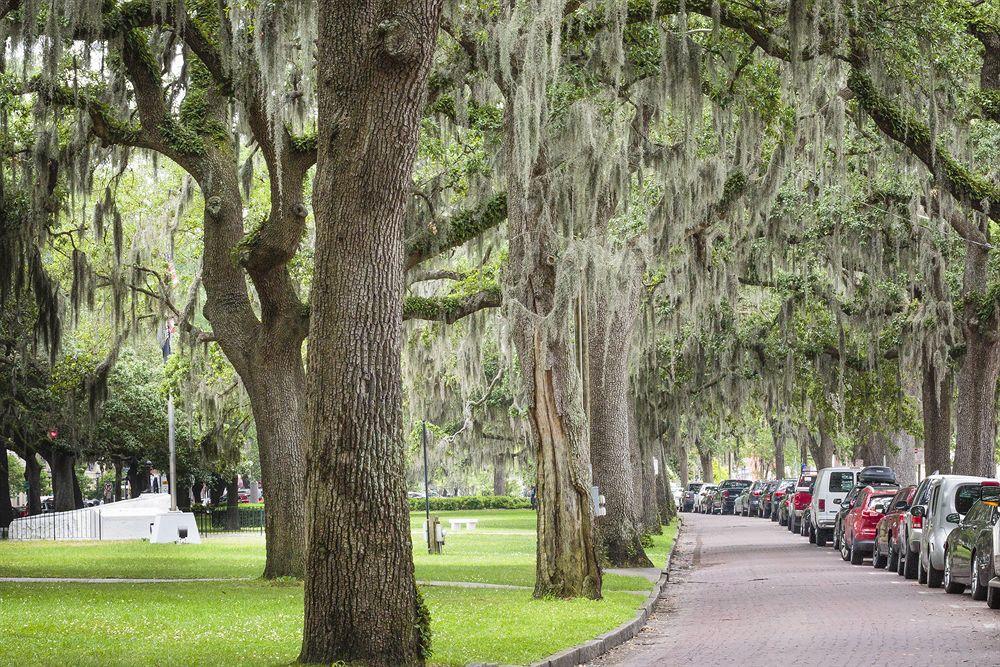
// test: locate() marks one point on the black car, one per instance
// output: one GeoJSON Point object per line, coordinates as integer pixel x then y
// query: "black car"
{"type": "Point", "coordinates": [751, 505]}
{"type": "Point", "coordinates": [725, 496]}
{"type": "Point", "coordinates": [690, 495]}
{"type": "Point", "coordinates": [766, 496]}
{"type": "Point", "coordinates": [969, 551]}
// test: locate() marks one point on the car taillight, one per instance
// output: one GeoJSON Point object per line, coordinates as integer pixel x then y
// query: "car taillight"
{"type": "Point", "coordinates": [822, 505]}
{"type": "Point", "coordinates": [918, 522]}
{"type": "Point", "coordinates": [756, 493]}
{"type": "Point", "coordinates": [725, 494]}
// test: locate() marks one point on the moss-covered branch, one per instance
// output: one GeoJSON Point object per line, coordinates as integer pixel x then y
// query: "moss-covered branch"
{"type": "Point", "coordinates": [460, 229]}
{"type": "Point", "coordinates": [450, 309]}
{"type": "Point", "coordinates": [901, 125]}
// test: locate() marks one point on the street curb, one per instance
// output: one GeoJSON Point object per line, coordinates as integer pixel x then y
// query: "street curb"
{"type": "Point", "coordinates": [583, 653]}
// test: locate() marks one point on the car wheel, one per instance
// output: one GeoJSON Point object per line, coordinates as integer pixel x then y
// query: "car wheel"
{"type": "Point", "coordinates": [978, 590]}
{"type": "Point", "coordinates": [857, 558]}
{"type": "Point", "coordinates": [921, 572]}
{"type": "Point", "coordinates": [911, 563]}
{"type": "Point", "coordinates": [836, 539]}
{"type": "Point", "coordinates": [812, 534]}
{"type": "Point", "coordinates": [878, 559]}
{"type": "Point", "coordinates": [950, 585]}
{"type": "Point", "coordinates": [934, 576]}
{"type": "Point", "coordinates": [993, 598]}
{"type": "Point", "coordinates": [845, 551]}
{"type": "Point", "coordinates": [820, 537]}
{"type": "Point", "coordinates": [892, 563]}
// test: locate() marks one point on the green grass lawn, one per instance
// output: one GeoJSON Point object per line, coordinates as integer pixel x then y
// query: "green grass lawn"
{"type": "Point", "coordinates": [259, 622]}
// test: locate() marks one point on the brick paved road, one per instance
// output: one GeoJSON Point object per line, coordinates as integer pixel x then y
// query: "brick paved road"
{"type": "Point", "coordinates": [818, 609]}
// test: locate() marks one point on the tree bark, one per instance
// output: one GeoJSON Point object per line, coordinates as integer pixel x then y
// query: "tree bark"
{"type": "Point", "coordinates": [651, 522]}
{"type": "Point", "coordinates": [936, 396]}
{"type": "Point", "coordinates": [277, 399]}
{"type": "Point", "coordinates": [778, 436]}
{"type": "Point", "coordinates": [668, 509]}
{"type": "Point", "coordinates": [707, 471]}
{"type": "Point", "coordinates": [361, 600]}
{"type": "Point", "coordinates": [821, 448]}
{"type": "Point", "coordinates": [499, 475]}
{"type": "Point", "coordinates": [612, 438]}
{"type": "Point", "coordinates": [232, 503]}
{"type": "Point", "coordinates": [61, 468]}
{"type": "Point", "coordinates": [6, 507]}
{"type": "Point", "coordinates": [118, 480]}
{"type": "Point", "coordinates": [77, 491]}
{"type": "Point", "coordinates": [33, 478]}
{"type": "Point", "coordinates": [975, 445]}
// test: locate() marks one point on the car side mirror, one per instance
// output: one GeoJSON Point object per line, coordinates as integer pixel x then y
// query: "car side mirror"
{"type": "Point", "coordinates": [954, 517]}
{"type": "Point", "coordinates": [837, 501]}
{"type": "Point", "coordinates": [917, 511]}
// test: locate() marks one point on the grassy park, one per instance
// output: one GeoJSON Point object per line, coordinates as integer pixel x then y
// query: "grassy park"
{"type": "Point", "coordinates": [246, 620]}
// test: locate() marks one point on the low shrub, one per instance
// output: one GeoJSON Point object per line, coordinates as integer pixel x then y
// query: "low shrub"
{"type": "Point", "coordinates": [456, 503]}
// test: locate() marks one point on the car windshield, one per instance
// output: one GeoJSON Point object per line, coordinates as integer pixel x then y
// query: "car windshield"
{"type": "Point", "coordinates": [735, 484]}
{"type": "Point", "coordinates": [841, 482]}
{"type": "Point", "coordinates": [694, 487]}
{"type": "Point", "coordinates": [879, 503]}
{"type": "Point", "coordinates": [806, 480]}
{"type": "Point", "coordinates": [965, 497]}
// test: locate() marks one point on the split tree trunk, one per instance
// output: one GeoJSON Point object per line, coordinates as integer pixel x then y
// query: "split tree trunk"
{"type": "Point", "coordinates": [936, 394]}
{"type": "Point", "coordinates": [975, 445]}
{"type": "Point", "coordinates": [361, 600]}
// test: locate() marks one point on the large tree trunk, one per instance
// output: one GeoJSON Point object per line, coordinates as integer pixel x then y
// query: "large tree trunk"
{"type": "Point", "coordinates": [61, 468]}
{"type": "Point", "coordinates": [975, 443]}
{"type": "Point", "coordinates": [361, 600]}
{"type": "Point", "coordinates": [499, 475]}
{"type": "Point", "coordinates": [77, 491]}
{"type": "Point", "coordinates": [936, 394]}
{"type": "Point", "coordinates": [612, 438]}
{"type": "Point", "coordinates": [707, 471]}
{"type": "Point", "coordinates": [232, 503]}
{"type": "Point", "coordinates": [778, 436]}
{"type": "Point", "coordinates": [33, 478]}
{"type": "Point", "coordinates": [668, 509]}
{"type": "Point", "coordinates": [683, 466]}
{"type": "Point", "coordinates": [118, 480]}
{"type": "Point", "coordinates": [277, 398]}
{"type": "Point", "coordinates": [6, 507]}
{"type": "Point", "coordinates": [650, 488]}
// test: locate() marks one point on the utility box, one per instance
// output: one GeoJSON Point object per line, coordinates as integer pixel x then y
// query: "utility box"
{"type": "Point", "coordinates": [435, 535]}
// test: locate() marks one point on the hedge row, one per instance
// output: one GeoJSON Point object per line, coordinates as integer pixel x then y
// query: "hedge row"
{"type": "Point", "coordinates": [445, 504]}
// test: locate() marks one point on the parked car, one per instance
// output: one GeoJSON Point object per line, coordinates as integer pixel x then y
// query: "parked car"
{"type": "Point", "coordinates": [859, 524]}
{"type": "Point", "coordinates": [751, 503]}
{"type": "Point", "coordinates": [725, 498]}
{"type": "Point", "coordinates": [829, 491]}
{"type": "Point", "coordinates": [741, 502]}
{"type": "Point", "coordinates": [783, 488]}
{"type": "Point", "coordinates": [766, 496]}
{"type": "Point", "coordinates": [690, 496]}
{"type": "Point", "coordinates": [888, 536]}
{"type": "Point", "coordinates": [911, 529]}
{"type": "Point", "coordinates": [970, 550]}
{"type": "Point", "coordinates": [838, 526]}
{"type": "Point", "coordinates": [951, 497]}
{"type": "Point", "coordinates": [703, 498]}
{"type": "Point", "coordinates": [798, 500]}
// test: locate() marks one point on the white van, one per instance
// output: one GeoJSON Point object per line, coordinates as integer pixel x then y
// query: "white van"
{"type": "Point", "coordinates": [829, 490]}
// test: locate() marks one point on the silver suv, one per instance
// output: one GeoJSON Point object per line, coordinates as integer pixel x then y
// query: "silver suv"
{"type": "Point", "coordinates": [949, 498]}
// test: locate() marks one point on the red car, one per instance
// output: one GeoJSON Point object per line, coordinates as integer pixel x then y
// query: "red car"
{"type": "Point", "coordinates": [888, 530]}
{"type": "Point", "coordinates": [799, 499]}
{"type": "Point", "coordinates": [861, 522]}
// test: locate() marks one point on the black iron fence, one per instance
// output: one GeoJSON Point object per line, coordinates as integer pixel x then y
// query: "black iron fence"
{"type": "Point", "coordinates": [74, 525]}
{"type": "Point", "coordinates": [226, 520]}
